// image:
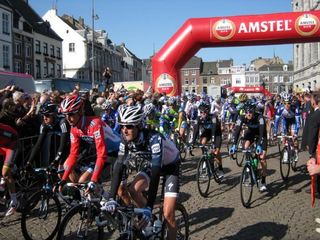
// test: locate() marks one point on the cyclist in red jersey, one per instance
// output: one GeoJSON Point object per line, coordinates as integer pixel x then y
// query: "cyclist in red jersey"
{"type": "Point", "coordinates": [8, 147]}
{"type": "Point", "coordinates": [92, 131]}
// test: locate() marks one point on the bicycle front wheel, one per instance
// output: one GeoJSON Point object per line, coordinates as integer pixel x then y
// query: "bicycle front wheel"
{"type": "Point", "coordinates": [79, 223]}
{"type": "Point", "coordinates": [203, 177]}
{"type": "Point", "coordinates": [182, 223]}
{"type": "Point", "coordinates": [41, 210]}
{"type": "Point", "coordinates": [246, 186]}
{"type": "Point", "coordinates": [284, 164]}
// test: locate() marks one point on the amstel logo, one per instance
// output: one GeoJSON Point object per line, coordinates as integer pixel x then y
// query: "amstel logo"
{"type": "Point", "coordinates": [166, 83]}
{"type": "Point", "coordinates": [224, 29]}
{"type": "Point", "coordinates": [307, 24]}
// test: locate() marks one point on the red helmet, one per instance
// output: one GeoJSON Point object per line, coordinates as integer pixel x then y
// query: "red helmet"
{"type": "Point", "coordinates": [71, 104]}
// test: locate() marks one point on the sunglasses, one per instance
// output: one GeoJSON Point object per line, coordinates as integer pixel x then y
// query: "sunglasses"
{"type": "Point", "coordinates": [47, 115]}
{"type": "Point", "coordinates": [70, 114]}
{"type": "Point", "coordinates": [129, 127]}
{"type": "Point", "coordinates": [202, 112]}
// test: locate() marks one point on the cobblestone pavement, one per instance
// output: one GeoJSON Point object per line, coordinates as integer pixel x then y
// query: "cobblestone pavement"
{"type": "Point", "coordinates": [284, 212]}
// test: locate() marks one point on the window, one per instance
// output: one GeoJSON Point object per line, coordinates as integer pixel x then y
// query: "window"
{"type": "Point", "coordinates": [18, 49]}
{"type": "Point", "coordinates": [193, 89]}
{"type": "Point", "coordinates": [220, 71]}
{"type": "Point", "coordinates": [71, 47]}
{"type": "Point", "coordinates": [204, 80]}
{"type": "Point", "coordinates": [5, 49]}
{"type": "Point", "coordinates": [58, 70]}
{"type": "Point", "coordinates": [205, 90]}
{"type": "Point", "coordinates": [238, 80]}
{"type": "Point", "coordinates": [193, 72]}
{"type": "Point", "coordinates": [212, 80]}
{"type": "Point", "coordinates": [17, 66]}
{"type": "Point", "coordinates": [247, 79]}
{"type": "Point", "coordinates": [28, 51]}
{"type": "Point", "coordinates": [193, 82]}
{"type": "Point", "coordinates": [38, 50]}
{"type": "Point", "coordinates": [28, 68]}
{"type": "Point", "coordinates": [38, 68]}
{"type": "Point", "coordinates": [281, 79]}
{"type": "Point", "coordinates": [51, 50]}
{"type": "Point", "coordinates": [45, 48]}
{"type": "Point", "coordinates": [5, 23]}
{"type": "Point", "coordinates": [58, 52]}
{"type": "Point", "coordinates": [186, 81]}
{"type": "Point", "coordinates": [45, 69]}
{"type": "Point", "coordinates": [81, 74]}
{"type": "Point", "coordinates": [52, 70]}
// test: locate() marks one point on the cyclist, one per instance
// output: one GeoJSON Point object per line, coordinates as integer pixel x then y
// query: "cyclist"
{"type": "Point", "coordinates": [110, 116]}
{"type": "Point", "coordinates": [164, 160]}
{"type": "Point", "coordinates": [209, 128]}
{"type": "Point", "coordinates": [8, 148]}
{"type": "Point", "coordinates": [289, 124]}
{"type": "Point", "coordinates": [92, 131]}
{"type": "Point", "coordinates": [151, 116]}
{"type": "Point", "coordinates": [256, 129]}
{"type": "Point", "coordinates": [169, 118]}
{"type": "Point", "coordinates": [52, 124]}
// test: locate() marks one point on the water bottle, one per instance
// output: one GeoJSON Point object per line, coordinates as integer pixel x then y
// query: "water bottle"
{"type": "Point", "coordinates": [2, 185]}
{"type": "Point", "coordinates": [157, 225]}
{"type": "Point", "coordinates": [255, 163]}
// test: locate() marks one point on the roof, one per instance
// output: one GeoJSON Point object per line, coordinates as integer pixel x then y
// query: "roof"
{"type": "Point", "coordinates": [209, 68]}
{"type": "Point", "coordinates": [275, 67]}
{"type": "Point", "coordinates": [21, 8]}
{"type": "Point", "coordinates": [225, 63]}
{"type": "Point", "coordinates": [124, 51]}
{"type": "Point", "coordinates": [72, 22]}
{"type": "Point", "coordinates": [194, 62]}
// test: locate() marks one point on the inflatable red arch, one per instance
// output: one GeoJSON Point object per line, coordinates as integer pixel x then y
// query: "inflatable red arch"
{"type": "Point", "coordinates": [197, 33]}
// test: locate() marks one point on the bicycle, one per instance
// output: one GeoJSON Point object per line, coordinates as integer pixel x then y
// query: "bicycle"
{"type": "Point", "coordinates": [180, 144]}
{"type": "Point", "coordinates": [81, 222]}
{"type": "Point", "coordinates": [127, 217]}
{"type": "Point", "coordinates": [250, 176]}
{"type": "Point", "coordinates": [288, 156]}
{"type": "Point", "coordinates": [45, 209]}
{"type": "Point", "coordinates": [206, 170]}
{"type": "Point", "coordinates": [271, 139]}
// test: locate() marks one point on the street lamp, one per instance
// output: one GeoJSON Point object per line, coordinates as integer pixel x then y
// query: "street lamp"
{"type": "Point", "coordinates": [94, 17]}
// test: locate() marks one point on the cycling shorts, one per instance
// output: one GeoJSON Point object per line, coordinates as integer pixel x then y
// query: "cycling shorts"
{"type": "Point", "coordinates": [251, 134]}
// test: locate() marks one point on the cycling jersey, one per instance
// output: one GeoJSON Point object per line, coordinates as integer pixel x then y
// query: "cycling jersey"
{"type": "Point", "coordinates": [111, 120]}
{"type": "Point", "coordinates": [163, 154]}
{"type": "Point", "coordinates": [8, 143]}
{"type": "Point", "coordinates": [60, 128]}
{"type": "Point", "coordinates": [93, 131]}
{"type": "Point", "coordinates": [256, 128]}
{"type": "Point", "coordinates": [289, 120]}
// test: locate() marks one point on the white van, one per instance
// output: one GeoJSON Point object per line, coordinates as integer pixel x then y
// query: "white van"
{"type": "Point", "coordinates": [21, 80]}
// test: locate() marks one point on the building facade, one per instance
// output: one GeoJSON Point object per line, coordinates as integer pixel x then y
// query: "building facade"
{"type": "Point", "coordinates": [77, 49]}
{"type": "Point", "coordinates": [190, 76]}
{"type": "Point", "coordinates": [6, 36]}
{"type": "Point", "coordinates": [238, 78]}
{"type": "Point", "coordinates": [306, 55]}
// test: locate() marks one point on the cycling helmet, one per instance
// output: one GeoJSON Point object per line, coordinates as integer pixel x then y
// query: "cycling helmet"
{"type": "Point", "coordinates": [71, 104]}
{"type": "Point", "coordinates": [172, 101]}
{"type": "Point", "coordinates": [149, 109]}
{"type": "Point", "coordinates": [249, 107]}
{"type": "Point", "coordinates": [130, 115]}
{"type": "Point", "coordinates": [204, 107]}
{"type": "Point", "coordinates": [163, 99]}
{"type": "Point", "coordinates": [243, 97]}
{"type": "Point", "coordinates": [48, 108]}
{"type": "Point", "coordinates": [286, 97]}
{"type": "Point", "coordinates": [230, 99]}
{"type": "Point", "coordinates": [107, 105]}
{"type": "Point", "coordinates": [191, 96]}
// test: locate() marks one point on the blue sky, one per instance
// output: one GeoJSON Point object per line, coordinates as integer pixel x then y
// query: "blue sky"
{"type": "Point", "coordinates": [147, 24]}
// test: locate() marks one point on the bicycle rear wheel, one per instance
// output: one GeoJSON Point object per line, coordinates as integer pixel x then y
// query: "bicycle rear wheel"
{"type": "Point", "coordinates": [246, 186]}
{"type": "Point", "coordinates": [203, 177]}
{"type": "Point", "coordinates": [79, 223]}
{"type": "Point", "coordinates": [284, 164]}
{"type": "Point", "coordinates": [41, 210]}
{"type": "Point", "coordinates": [182, 223]}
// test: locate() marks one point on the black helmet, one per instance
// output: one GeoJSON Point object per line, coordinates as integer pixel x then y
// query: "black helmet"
{"type": "Point", "coordinates": [48, 108]}
{"type": "Point", "coordinates": [204, 107]}
{"type": "Point", "coordinates": [249, 106]}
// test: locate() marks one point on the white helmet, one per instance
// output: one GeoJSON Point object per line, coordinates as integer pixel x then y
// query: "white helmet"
{"type": "Point", "coordinates": [130, 115]}
{"type": "Point", "coordinates": [148, 109]}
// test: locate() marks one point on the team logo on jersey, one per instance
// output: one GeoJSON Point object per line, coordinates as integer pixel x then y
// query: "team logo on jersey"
{"type": "Point", "coordinates": [155, 148]}
{"type": "Point", "coordinates": [71, 137]}
{"type": "Point", "coordinates": [97, 134]}
{"type": "Point", "coordinates": [307, 24]}
{"type": "Point", "coordinates": [224, 29]}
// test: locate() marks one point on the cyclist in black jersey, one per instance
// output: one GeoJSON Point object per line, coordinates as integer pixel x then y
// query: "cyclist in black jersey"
{"type": "Point", "coordinates": [256, 129]}
{"type": "Point", "coordinates": [209, 128]}
{"type": "Point", "coordinates": [163, 160]}
{"type": "Point", "coordinates": [52, 124]}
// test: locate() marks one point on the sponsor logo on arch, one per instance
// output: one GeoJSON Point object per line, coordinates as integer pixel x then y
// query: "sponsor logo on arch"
{"type": "Point", "coordinates": [224, 29]}
{"type": "Point", "coordinates": [307, 24]}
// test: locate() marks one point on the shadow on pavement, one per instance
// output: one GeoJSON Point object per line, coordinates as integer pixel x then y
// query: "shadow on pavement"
{"type": "Point", "coordinates": [260, 231]}
{"type": "Point", "coordinates": [208, 217]}
{"type": "Point", "coordinates": [228, 183]}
